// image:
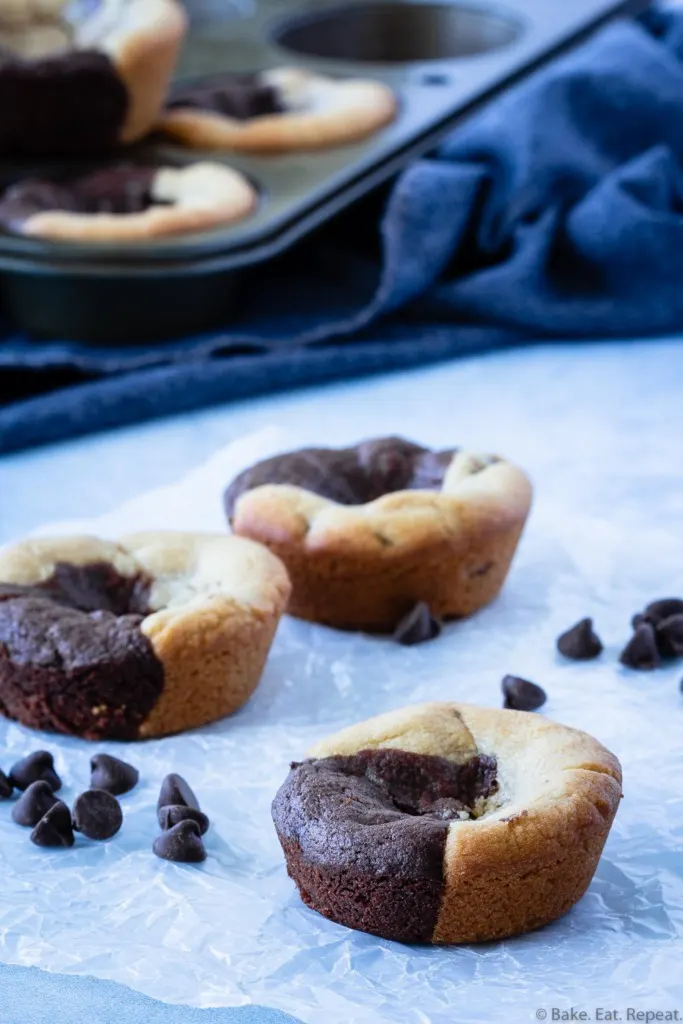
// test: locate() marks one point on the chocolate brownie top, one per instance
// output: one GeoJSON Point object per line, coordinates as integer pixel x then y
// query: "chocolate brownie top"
{"type": "Point", "coordinates": [112, 190]}
{"type": "Point", "coordinates": [238, 96]}
{"type": "Point", "coordinates": [380, 812]}
{"type": "Point", "coordinates": [349, 476]}
{"type": "Point", "coordinates": [68, 103]}
{"type": "Point", "coordinates": [73, 654]}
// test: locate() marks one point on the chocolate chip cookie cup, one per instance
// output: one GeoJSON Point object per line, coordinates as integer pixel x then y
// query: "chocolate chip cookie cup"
{"type": "Point", "coordinates": [80, 78]}
{"type": "Point", "coordinates": [277, 111]}
{"type": "Point", "coordinates": [447, 823]}
{"type": "Point", "coordinates": [153, 635]}
{"type": "Point", "coordinates": [128, 203]}
{"type": "Point", "coordinates": [368, 532]}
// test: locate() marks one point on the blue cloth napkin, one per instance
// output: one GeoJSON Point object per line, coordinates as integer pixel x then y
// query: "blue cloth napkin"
{"type": "Point", "coordinates": [30, 996]}
{"type": "Point", "coordinates": [555, 212]}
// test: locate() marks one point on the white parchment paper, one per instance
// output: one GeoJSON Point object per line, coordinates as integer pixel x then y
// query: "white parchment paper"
{"type": "Point", "coordinates": [605, 536]}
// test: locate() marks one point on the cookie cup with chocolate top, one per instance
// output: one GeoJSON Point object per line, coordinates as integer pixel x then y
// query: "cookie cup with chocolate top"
{"type": "Point", "coordinates": [368, 532]}
{"type": "Point", "coordinates": [448, 823]}
{"type": "Point", "coordinates": [155, 634]}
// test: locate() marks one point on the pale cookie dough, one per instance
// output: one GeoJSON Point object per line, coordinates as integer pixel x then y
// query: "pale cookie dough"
{"type": "Point", "coordinates": [448, 823]}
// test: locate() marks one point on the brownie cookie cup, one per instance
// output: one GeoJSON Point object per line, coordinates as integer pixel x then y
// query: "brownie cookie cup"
{"type": "Point", "coordinates": [158, 633]}
{"type": "Point", "coordinates": [368, 532]}
{"type": "Point", "coordinates": [128, 203]}
{"type": "Point", "coordinates": [78, 78]}
{"type": "Point", "coordinates": [277, 111]}
{"type": "Point", "coordinates": [448, 823]}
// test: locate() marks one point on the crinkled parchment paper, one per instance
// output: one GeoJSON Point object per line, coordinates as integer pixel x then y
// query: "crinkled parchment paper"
{"type": "Point", "coordinates": [604, 537]}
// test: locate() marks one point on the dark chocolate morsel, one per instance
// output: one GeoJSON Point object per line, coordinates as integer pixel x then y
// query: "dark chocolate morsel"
{"type": "Point", "coordinates": [54, 828]}
{"type": "Point", "coordinates": [182, 843]}
{"type": "Point", "coordinates": [33, 804]}
{"type": "Point", "coordinates": [174, 790]}
{"type": "Point", "coordinates": [637, 619]}
{"type": "Point", "coordinates": [238, 96]}
{"type": "Point", "coordinates": [349, 476]}
{"type": "Point", "coordinates": [117, 777]}
{"type": "Point", "coordinates": [580, 643]}
{"type": "Point", "coordinates": [521, 694]}
{"type": "Point", "coordinates": [6, 787]}
{"type": "Point", "coordinates": [73, 658]}
{"type": "Point", "coordinates": [663, 608]}
{"type": "Point", "coordinates": [171, 814]}
{"type": "Point", "coordinates": [418, 626]}
{"type": "Point", "coordinates": [97, 814]}
{"type": "Point", "coordinates": [36, 767]}
{"type": "Point", "coordinates": [641, 650]}
{"type": "Point", "coordinates": [669, 636]}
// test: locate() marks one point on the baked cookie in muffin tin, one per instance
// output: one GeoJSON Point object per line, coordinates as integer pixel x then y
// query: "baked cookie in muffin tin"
{"type": "Point", "coordinates": [447, 823]}
{"type": "Point", "coordinates": [152, 635]}
{"type": "Point", "coordinates": [367, 532]}
{"type": "Point", "coordinates": [128, 202]}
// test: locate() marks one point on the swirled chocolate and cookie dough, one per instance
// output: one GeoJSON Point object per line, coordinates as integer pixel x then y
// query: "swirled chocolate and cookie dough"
{"type": "Point", "coordinates": [370, 531]}
{"type": "Point", "coordinates": [158, 633]}
{"type": "Point", "coordinates": [78, 78]}
{"type": "Point", "coordinates": [447, 823]}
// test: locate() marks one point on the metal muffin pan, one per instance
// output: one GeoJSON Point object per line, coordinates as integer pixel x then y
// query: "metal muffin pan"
{"type": "Point", "coordinates": [443, 59]}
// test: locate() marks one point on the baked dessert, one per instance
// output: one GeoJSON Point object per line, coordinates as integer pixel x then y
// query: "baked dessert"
{"type": "Point", "coordinates": [367, 532]}
{"type": "Point", "coordinates": [152, 635]}
{"type": "Point", "coordinates": [448, 823]}
{"type": "Point", "coordinates": [276, 111]}
{"type": "Point", "coordinates": [128, 203]}
{"type": "Point", "coordinates": [77, 78]}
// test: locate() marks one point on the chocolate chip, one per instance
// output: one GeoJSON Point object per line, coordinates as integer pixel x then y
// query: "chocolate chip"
{"type": "Point", "coordinates": [664, 608]}
{"type": "Point", "coordinates": [580, 643]}
{"type": "Point", "coordinates": [171, 814]}
{"type": "Point", "coordinates": [33, 804]}
{"type": "Point", "coordinates": [641, 650]}
{"type": "Point", "coordinates": [522, 695]}
{"type": "Point", "coordinates": [669, 636]}
{"type": "Point", "coordinates": [54, 828]}
{"type": "Point", "coordinates": [418, 626]}
{"type": "Point", "coordinates": [97, 814]}
{"type": "Point", "coordinates": [182, 843]}
{"type": "Point", "coordinates": [6, 787]}
{"type": "Point", "coordinates": [174, 790]}
{"type": "Point", "coordinates": [114, 776]}
{"type": "Point", "coordinates": [37, 767]}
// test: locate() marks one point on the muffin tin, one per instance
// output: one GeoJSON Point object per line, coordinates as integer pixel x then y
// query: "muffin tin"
{"type": "Point", "coordinates": [443, 59]}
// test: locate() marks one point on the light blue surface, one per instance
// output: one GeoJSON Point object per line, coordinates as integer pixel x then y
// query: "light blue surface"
{"type": "Point", "coordinates": [30, 996]}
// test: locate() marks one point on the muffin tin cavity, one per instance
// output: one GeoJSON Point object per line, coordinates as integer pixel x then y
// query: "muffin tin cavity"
{"type": "Point", "coordinates": [380, 33]}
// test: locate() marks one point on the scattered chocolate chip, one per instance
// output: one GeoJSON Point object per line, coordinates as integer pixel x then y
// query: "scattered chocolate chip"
{"type": "Point", "coordinates": [664, 608]}
{"type": "Point", "coordinates": [580, 643]}
{"type": "Point", "coordinates": [33, 804]}
{"type": "Point", "coordinates": [522, 695]}
{"type": "Point", "coordinates": [6, 787]}
{"type": "Point", "coordinates": [37, 767]}
{"type": "Point", "coordinates": [669, 636]}
{"type": "Point", "coordinates": [637, 619]}
{"type": "Point", "coordinates": [418, 626]}
{"type": "Point", "coordinates": [174, 790]}
{"type": "Point", "coordinates": [97, 814]}
{"type": "Point", "coordinates": [114, 776]}
{"type": "Point", "coordinates": [641, 650]}
{"type": "Point", "coordinates": [182, 843]}
{"type": "Point", "coordinates": [54, 828]}
{"type": "Point", "coordinates": [171, 814]}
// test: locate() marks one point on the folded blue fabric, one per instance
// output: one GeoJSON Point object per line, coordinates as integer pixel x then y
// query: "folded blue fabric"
{"type": "Point", "coordinates": [30, 996]}
{"type": "Point", "coordinates": [555, 212]}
